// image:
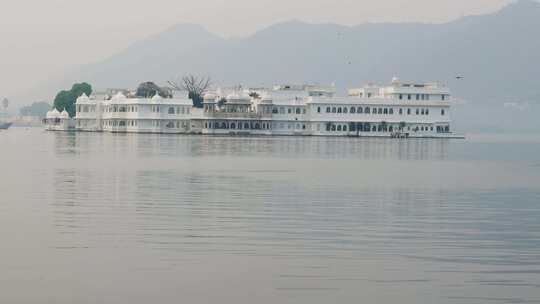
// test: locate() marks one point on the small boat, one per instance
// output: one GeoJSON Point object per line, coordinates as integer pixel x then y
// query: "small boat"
{"type": "Point", "coordinates": [5, 125]}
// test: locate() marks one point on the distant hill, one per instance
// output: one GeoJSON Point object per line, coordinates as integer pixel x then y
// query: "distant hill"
{"type": "Point", "coordinates": [497, 54]}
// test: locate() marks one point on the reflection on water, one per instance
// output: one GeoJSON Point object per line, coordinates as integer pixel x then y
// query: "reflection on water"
{"type": "Point", "coordinates": [89, 217]}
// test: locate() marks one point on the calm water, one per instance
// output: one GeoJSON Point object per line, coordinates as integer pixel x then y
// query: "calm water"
{"type": "Point", "coordinates": [115, 218]}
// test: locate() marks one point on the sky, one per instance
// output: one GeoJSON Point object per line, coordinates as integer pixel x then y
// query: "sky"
{"type": "Point", "coordinates": [45, 38]}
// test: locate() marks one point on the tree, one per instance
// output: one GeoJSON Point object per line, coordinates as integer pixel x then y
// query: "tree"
{"type": "Point", "coordinates": [37, 109]}
{"type": "Point", "coordinates": [65, 100]}
{"type": "Point", "coordinates": [195, 86]}
{"type": "Point", "coordinates": [149, 89]}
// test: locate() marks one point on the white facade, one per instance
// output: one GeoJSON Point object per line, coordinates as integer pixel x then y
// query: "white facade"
{"type": "Point", "coordinates": [398, 110]}
{"type": "Point", "coordinates": [58, 121]}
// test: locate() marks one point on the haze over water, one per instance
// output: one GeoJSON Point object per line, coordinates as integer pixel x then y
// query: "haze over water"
{"type": "Point", "coordinates": [121, 218]}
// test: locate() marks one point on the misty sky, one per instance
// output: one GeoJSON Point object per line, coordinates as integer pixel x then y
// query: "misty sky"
{"type": "Point", "coordinates": [41, 38]}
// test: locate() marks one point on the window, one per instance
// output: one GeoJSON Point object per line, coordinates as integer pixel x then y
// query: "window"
{"type": "Point", "coordinates": [366, 110]}
{"type": "Point", "coordinates": [318, 109]}
{"type": "Point", "coordinates": [353, 110]}
{"type": "Point", "coordinates": [400, 96]}
{"type": "Point", "coordinates": [171, 110]}
{"type": "Point", "coordinates": [339, 127]}
{"type": "Point", "coordinates": [339, 110]}
{"type": "Point", "coordinates": [289, 110]}
{"type": "Point", "coordinates": [427, 111]}
{"type": "Point", "coordinates": [400, 111]}
{"type": "Point", "coordinates": [360, 110]}
{"type": "Point", "coordinates": [281, 110]}
{"type": "Point", "coordinates": [409, 97]}
{"type": "Point", "coordinates": [423, 112]}
{"type": "Point", "coordinates": [391, 111]}
{"type": "Point", "coordinates": [345, 110]}
{"type": "Point", "coordinates": [442, 112]}
{"type": "Point", "coordinates": [443, 96]}
{"type": "Point", "coordinates": [334, 110]}
{"type": "Point", "coordinates": [417, 111]}
{"type": "Point", "coordinates": [328, 110]}
{"type": "Point", "coordinates": [170, 125]}
{"type": "Point", "coordinates": [385, 110]}
{"type": "Point", "coordinates": [297, 110]}
{"type": "Point", "coordinates": [380, 111]}
{"type": "Point", "coordinates": [303, 110]}
{"type": "Point", "coordinates": [345, 128]}
{"type": "Point", "coordinates": [417, 96]}
{"type": "Point", "coordinates": [408, 111]}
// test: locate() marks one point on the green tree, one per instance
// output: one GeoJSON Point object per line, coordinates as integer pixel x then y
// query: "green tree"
{"type": "Point", "coordinates": [65, 100]}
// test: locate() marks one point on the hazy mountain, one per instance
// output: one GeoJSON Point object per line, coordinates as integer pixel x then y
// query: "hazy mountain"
{"type": "Point", "coordinates": [498, 54]}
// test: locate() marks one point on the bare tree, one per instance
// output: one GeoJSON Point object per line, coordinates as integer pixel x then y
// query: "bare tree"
{"type": "Point", "coordinates": [194, 85]}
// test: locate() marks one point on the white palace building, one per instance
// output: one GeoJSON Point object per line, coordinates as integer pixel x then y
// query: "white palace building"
{"type": "Point", "coordinates": [397, 110]}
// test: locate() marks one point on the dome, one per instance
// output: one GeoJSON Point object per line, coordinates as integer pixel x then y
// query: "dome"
{"type": "Point", "coordinates": [118, 96]}
{"type": "Point", "coordinates": [64, 114]}
{"type": "Point", "coordinates": [50, 114]}
{"type": "Point", "coordinates": [83, 97]}
{"type": "Point", "coordinates": [238, 98]}
{"type": "Point", "coordinates": [156, 98]}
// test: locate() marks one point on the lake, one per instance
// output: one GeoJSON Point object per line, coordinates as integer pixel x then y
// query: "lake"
{"type": "Point", "coordinates": [141, 218]}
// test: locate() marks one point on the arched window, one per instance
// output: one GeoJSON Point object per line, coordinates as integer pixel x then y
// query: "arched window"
{"type": "Point", "coordinates": [360, 110]}
{"type": "Point", "coordinates": [400, 111]}
{"type": "Point", "coordinates": [233, 125]}
{"type": "Point", "coordinates": [345, 128]}
{"type": "Point", "coordinates": [339, 110]}
{"type": "Point", "coordinates": [366, 110]}
{"type": "Point", "coordinates": [447, 129]}
{"type": "Point", "coordinates": [353, 110]}
{"type": "Point", "coordinates": [391, 129]}
{"type": "Point", "coordinates": [442, 112]}
{"type": "Point", "coordinates": [328, 110]}
{"type": "Point", "coordinates": [223, 125]}
{"type": "Point", "coordinates": [385, 111]}
{"type": "Point", "coordinates": [380, 111]}
{"type": "Point", "coordinates": [391, 111]}
{"type": "Point", "coordinates": [246, 125]}
{"type": "Point", "coordinates": [171, 110]}
{"type": "Point", "coordinates": [333, 127]}
{"type": "Point", "coordinates": [339, 127]}
{"type": "Point", "coordinates": [367, 127]}
{"type": "Point", "coordinates": [345, 110]}
{"type": "Point", "coordinates": [408, 111]}
{"type": "Point", "coordinates": [374, 129]}
{"type": "Point", "coordinates": [257, 126]}
{"type": "Point", "coordinates": [298, 111]}
{"type": "Point", "coordinates": [334, 110]}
